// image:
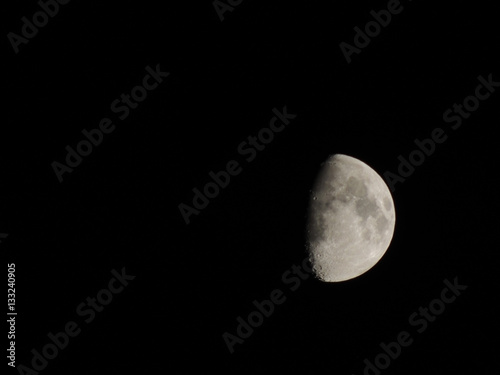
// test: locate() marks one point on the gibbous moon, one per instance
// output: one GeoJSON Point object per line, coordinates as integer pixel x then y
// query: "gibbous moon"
{"type": "Point", "coordinates": [351, 219]}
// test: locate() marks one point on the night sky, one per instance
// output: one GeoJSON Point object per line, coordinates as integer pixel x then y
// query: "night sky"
{"type": "Point", "coordinates": [173, 93]}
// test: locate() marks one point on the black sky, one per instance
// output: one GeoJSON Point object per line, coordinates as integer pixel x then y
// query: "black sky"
{"type": "Point", "coordinates": [119, 207]}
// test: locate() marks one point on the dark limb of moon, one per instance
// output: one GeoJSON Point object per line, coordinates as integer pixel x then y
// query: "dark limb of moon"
{"type": "Point", "coordinates": [351, 219]}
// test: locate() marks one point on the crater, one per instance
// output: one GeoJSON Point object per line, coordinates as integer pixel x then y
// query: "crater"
{"type": "Point", "coordinates": [366, 207]}
{"type": "Point", "coordinates": [356, 187]}
{"type": "Point", "coordinates": [344, 198]}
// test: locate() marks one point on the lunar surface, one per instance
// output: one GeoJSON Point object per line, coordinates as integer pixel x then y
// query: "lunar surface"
{"type": "Point", "coordinates": [351, 219]}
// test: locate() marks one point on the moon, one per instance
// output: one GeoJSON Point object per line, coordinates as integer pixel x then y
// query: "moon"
{"type": "Point", "coordinates": [350, 221]}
